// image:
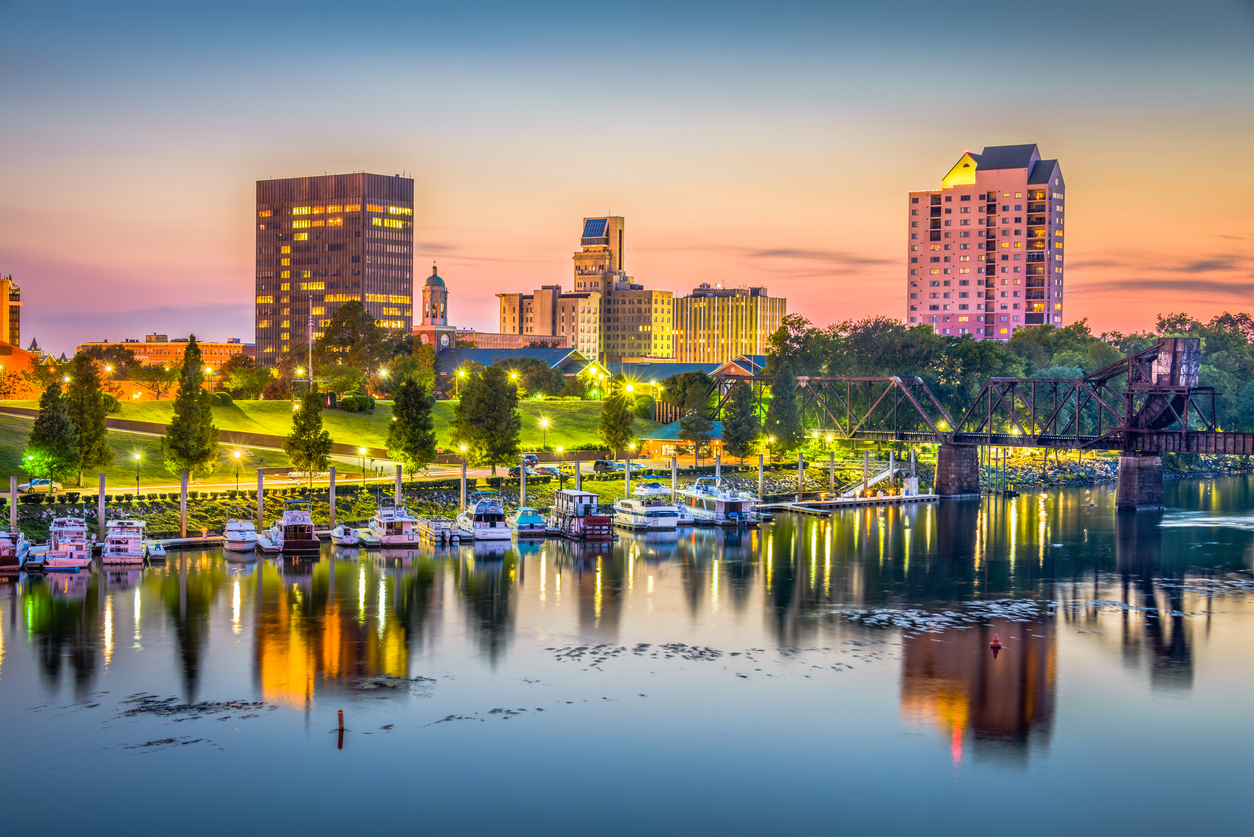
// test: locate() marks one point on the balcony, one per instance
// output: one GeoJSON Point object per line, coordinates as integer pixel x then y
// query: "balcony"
{"type": "Point", "coordinates": [1037, 207]}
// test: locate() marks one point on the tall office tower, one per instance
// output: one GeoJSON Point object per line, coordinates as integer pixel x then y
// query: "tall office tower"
{"type": "Point", "coordinates": [717, 324]}
{"type": "Point", "coordinates": [11, 316]}
{"type": "Point", "coordinates": [324, 241]}
{"type": "Point", "coordinates": [986, 249]}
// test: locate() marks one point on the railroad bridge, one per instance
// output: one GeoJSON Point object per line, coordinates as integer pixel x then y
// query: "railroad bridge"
{"type": "Point", "coordinates": [1143, 406]}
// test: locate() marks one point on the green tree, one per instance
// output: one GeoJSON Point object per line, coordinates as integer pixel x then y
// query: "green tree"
{"type": "Point", "coordinates": [244, 377]}
{"type": "Point", "coordinates": [617, 419]}
{"type": "Point", "coordinates": [307, 444]}
{"type": "Point", "coordinates": [342, 379]}
{"type": "Point", "coordinates": [52, 450]}
{"type": "Point", "coordinates": [681, 389]}
{"type": "Point", "coordinates": [353, 338]}
{"type": "Point", "coordinates": [86, 408]}
{"type": "Point", "coordinates": [159, 379]}
{"type": "Point", "coordinates": [741, 426]}
{"type": "Point", "coordinates": [486, 418]}
{"type": "Point", "coordinates": [191, 439]}
{"type": "Point", "coordinates": [783, 419]}
{"type": "Point", "coordinates": [411, 439]}
{"type": "Point", "coordinates": [534, 375]}
{"type": "Point", "coordinates": [114, 355]}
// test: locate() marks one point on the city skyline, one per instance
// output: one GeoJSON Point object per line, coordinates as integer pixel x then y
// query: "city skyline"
{"type": "Point", "coordinates": [748, 149]}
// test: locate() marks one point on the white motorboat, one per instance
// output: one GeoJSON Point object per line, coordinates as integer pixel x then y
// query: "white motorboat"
{"type": "Point", "coordinates": [578, 515]}
{"type": "Point", "coordinates": [528, 523]}
{"type": "Point", "coordinates": [712, 505]}
{"type": "Point", "coordinates": [293, 533]}
{"type": "Point", "coordinates": [439, 530]}
{"type": "Point", "coordinates": [484, 519]}
{"type": "Point", "coordinates": [13, 550]}
{"type": "Point", "coordinates": [239, 536]}
{"type": "Point", "coordinates": [124, 542]}
{"type": "Point", "coordinates": [345, 536]}
{"type": "Point", "coordinates": [648, 508]}
{"type": "Point", "coordinates": [68, 549]}
{"type": "Point", "coordinates": [393, 525]}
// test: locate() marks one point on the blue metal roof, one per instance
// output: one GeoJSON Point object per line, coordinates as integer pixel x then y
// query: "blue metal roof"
{"type": "Point", "coordinates": [595, 227]}
{"type": "Point", "coordinates": [555, 358]}
{"type": "Point", "coordinates": [1042, 172]}
{"type": "Point", "coordinates": [1007, 157]}
{"type": "Point", "coordinates": [670, 432]}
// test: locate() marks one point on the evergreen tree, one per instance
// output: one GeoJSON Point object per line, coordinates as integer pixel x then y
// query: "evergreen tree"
{"type": "Point", "coordinates": [411, 439]}
{"type": "Point", "coordinates": [486, 418]}
{"type": "Point", "coordinates": [52, 452]}
{"type": "Point", "coordinates": [616, 423]}
{"type": "Point", "coordinates": [740, 422]}
{"type": "Point", "coordinates": [86, 408]}
{"type": "Point", "coordinates": [191, 439]}
{"type": "Point", "coordinates": [308, 445]}
{"type": "Point", "coordinates": [695, 426]}
{"type": "Point", "coordinates": [783, 419]}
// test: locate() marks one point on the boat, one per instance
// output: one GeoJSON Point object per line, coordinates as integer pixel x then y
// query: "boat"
{"type": "Point", "coordinates": [68, 549]}
{"type": "Point", "coordinates": [124, 542]}
{"type": "Point", "coordinates": [392, 525]}
{"type": "Point", "coordinates": [528, 523]}
{"type": "Point", "coordinates": [239, 536]}
{"type": "Point", "coordinates": [439, 530]}
{"type": "Point", "coordinates": [35, 559]}
{"type": "Point", "coordinates": [484, 519]}
{"type": "Point", "coordinates": [293, 533]}
{"type": "Point", "coordinates": [648, 508]}
{"type": "Point", "coordinates": [578, 515]}
{"type": "Point", "coordinates": [13, 550]}
{"type": "Point", "coordinates": [712, 505]}
{"type": "Point", "coordinates": [345, 536]}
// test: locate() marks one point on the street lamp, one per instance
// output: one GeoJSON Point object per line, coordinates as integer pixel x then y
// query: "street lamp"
{"type": "Point", "coordinates": [237, 470]}
{"type": "Point", "coordinates": [137, 475]}
{"type": "Point", "coordinates": [544, 427]}
{"type": "Point", "coordinates": [771, 439]}
{"type": "Point", "coordinates": [461, 373]}
{"type": "Point", "coordinates": [362, 452]}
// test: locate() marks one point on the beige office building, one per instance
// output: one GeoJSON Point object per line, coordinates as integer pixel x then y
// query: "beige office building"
{"type": "Point", "coordinates": [11, 316]}
{"type": "Point", "coordinates": [985, 250]}
{"type": "Point", "coordinates": [716, 324]}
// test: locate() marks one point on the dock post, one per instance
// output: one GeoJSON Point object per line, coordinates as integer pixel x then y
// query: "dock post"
{"type": "Point", "coordinates": [578, 474]}
{"type": "Point", "coordinates": [801, 475]}
{"type": "Point", "coordinates": [261, 499]}
{"type": "Point", "coordinates": [892, 468]}
{"type": "Point", "coordinates": [522, 482]}
{"type": "Point", "coordinates": [674, 477]}
{"type": "Point", "coordinates": [912, 473]}
{"type": "Point", "coordinates": [463, 506]}
{"type": "Point", "coordinates": [331, 499]}
{"type": "Point", "coordinates": [183, 504]}
{"type": "Point", "coordinates": [396, 495]}
{"type": "Point", "coordinates": [627, 480]}
{"type": "Point", "coordinates": [718, 467]}
{"type": "Point", "coordinates": [13, 504]}
{"type": "Point", "coordinates": [760, 483]}
{"type": "Point", "coordinates": [831, 471]}
{"type": "Point", "coordinates": [866, 470]}
{"type": "Point", "coordinates": [100, 511]}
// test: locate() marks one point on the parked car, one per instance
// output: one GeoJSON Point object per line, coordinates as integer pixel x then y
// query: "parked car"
{"type": "Point", "coordinates": [604, 466]}
{"type": "Point", "coordinates": [38, 485]}
{"type": "Point", "coordinates": [513, 472]}
{"type": "Point", "coordinates": [548, 471]}
{"type": "Point", "coordinates": [530, 460]}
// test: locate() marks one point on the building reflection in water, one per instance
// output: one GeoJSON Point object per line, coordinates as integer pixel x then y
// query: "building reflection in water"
{"type": "Point", "coordinates": [1154, 623]}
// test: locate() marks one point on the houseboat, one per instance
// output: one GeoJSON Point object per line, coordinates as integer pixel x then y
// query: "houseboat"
{"type": "Point", "coordinates": [439, 530]}
{"type": "Point", "coordinates": [68, 549]}
{"type": "Point", "coordinates": [579, 516]}
{"type": "Point", "coordinates": [484, 519]}
{"type": "Point", "coordinates": [13, 550]}
{"type": "Point", "coordinates": [528, 523]}
{"type": "Point", "coordinates": [712, 505]}
{"type": "Point", "coordinates": [293, 533]}
{"type": "Point", "coordinates": [239, 536]}
{"type": "Point", "coordinates": [124, 542]}
{"type": "Point", "coordinates": [392, 525]}
{"type": "Point", "coordinates": [648, 508]}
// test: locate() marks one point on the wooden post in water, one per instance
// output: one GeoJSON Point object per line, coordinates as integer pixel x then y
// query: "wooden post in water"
{"type": "Point", "coordinates": [866, 470]}
{"type": "Point", "coordinates": [760, 478]}
{"type": "Point", "coordinates": [718, 467]}
{"type": "Point", "coordinates": [13, 504]}
{"type": "Point", "coordinates": [331, 497]}
{"type": "Point", "coordinates": [522, 482]}
{"type": "Point", "coordinates": [578, 474]}
{"type": "Point", "coordinates": [396, 494]}
{"type": "Point", "coordinates": [627, 478]}
{"type": "Point", "coordinates": [674, 478]}
{"type": "Point", "coordinates": [261, 499]}
{"type": "Point", "coordinates": [801, 475]}
{"type": "Point", "coordinates": [892, 468]}
{"type": "Point", "coordinates": [912, 473]}
{"type": "Point", "coordinates": [100, 511]}
{"type": "Point", "coordinates": [831, 471]}
{"type": "Point", "coordinates": [183, 504]}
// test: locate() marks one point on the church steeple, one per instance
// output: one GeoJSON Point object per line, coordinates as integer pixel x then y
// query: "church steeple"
{"type": "Point", "coordinates": [434, 300]}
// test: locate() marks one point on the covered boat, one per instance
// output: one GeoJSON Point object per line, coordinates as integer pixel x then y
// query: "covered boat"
{"type": "Point", "coordinates": [13, 550]}
{"type": "Point", "coordinates": [68, 549]}
{"type": "Point", "coordinates": [439, 530]}
{"type": "Point", "coordinates": [528, 523]}
{"type": "Point", "coordinates": [293, 533]}
{"type": "Point", "coordinates": [578, 515]}
{"type": "Point", "coordinates": [712, 505]}
{"type": "Point", "coordinates": [648, 508]}
{"type": "Point", "coordinates": [124, 542]}
{"type": "Point", "coordinates": [393, 525]}
{"type": "Point", "coordinates": [239, 536]}
{"type": "Point", "coordinates": [484, 519]}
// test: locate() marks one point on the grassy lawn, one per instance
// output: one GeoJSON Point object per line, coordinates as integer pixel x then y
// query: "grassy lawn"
{"type": "Point", "coordinates": [15, 431]}
{"type": "Point", "coordinates": [571, 423]}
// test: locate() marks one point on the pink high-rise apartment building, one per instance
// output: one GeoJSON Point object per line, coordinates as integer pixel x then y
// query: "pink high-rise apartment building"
{"type": "Point", "coordinates": [986, 248]}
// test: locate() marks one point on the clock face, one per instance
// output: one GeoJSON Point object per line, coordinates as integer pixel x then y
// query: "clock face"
{"type": "Point", "coordinates": [425, 339]}
{"type": "Point", "coordinates": [444, 340]}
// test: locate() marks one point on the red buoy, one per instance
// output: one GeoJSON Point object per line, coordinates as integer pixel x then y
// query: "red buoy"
{"type": "Point", "coordinates": [996, 643]}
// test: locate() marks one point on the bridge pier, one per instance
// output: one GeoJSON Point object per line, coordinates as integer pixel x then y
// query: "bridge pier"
{"type": "Point", "coordinates": [1140, 483]}
{"type": "Point", "coordinates": [957, 471]}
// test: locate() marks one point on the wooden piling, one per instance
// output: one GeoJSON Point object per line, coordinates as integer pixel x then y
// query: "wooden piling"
{"type": "Point", "coordinates": [183, 504]}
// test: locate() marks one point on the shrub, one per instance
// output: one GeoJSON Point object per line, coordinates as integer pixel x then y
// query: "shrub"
{"type": "Point", "coordinates": [232, 493]}
{"type": "Point", "coordinates": [72, 497]}
{"type": "Point", "coordinates": [111, 403]}
{"type": "Point", "coordinates": [223, 399]}
{"type": "Point", "coordinates": [128, 497]}
{"type": "Point", "coordinates": [357, 402]}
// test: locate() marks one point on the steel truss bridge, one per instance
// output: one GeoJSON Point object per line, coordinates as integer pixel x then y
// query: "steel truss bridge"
{"type": "Point", "coordinates": [1148, 403]}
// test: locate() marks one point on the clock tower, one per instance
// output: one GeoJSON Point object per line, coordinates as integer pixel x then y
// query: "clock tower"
{"type": "Point", "coordinates": [434, 329]}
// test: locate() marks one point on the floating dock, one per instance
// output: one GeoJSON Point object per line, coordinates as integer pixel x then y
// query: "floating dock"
{"type": "Point", "coordinates": [824, 507]}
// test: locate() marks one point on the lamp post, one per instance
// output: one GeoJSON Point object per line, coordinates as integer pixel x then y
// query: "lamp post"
{"type": "Point", "coordinates": [136, 475]}
{"type": "Point", "coordinates": [771, 446]}
{"type": "Point", "coordinates": [237, 470]}
{"type": "Point", "coordinates": [209, 372]}
{"type": "Point", "coordinates": [362, 453]}
{"type": "Point", "coordinates": [461, 373]}
{"type": "Point", "coordinates": [544, 427]}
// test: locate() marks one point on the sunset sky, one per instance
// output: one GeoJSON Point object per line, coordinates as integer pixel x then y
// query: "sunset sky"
{"type": "Point", "coordinates": [745, 144]}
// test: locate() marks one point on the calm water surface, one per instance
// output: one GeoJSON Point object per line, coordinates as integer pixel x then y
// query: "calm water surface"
{"type": "Point", "coordinates": [822, 675]}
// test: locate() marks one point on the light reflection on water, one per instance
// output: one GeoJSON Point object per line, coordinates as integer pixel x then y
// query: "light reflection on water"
{"type": "Point", "coordinates": [704, 660]}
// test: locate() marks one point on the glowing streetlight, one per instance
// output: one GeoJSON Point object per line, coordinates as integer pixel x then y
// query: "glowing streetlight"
{"type": "Point", "coordinates": [631, 388]}
{"type": "Point", "coordinates": [383, 373]}
{"type": "Point", "coordinates": [461, 373]}
{"type": "Point", "coordinates": [544, 427]}
{"type": "Point", "coordinates": [66, 379]}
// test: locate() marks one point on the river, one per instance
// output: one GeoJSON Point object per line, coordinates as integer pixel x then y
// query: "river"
{"type": "Point", "coordinates": [819, 675]}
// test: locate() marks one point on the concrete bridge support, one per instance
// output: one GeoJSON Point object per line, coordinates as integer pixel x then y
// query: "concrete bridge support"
{"type": "Point", "coordinates": [1140, 481]}
{"type": "Point", "coordinates": [957, 471]}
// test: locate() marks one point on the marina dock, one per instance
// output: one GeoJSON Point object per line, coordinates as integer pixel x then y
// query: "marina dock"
{"type": "Point", "coordinates": [823, 507]}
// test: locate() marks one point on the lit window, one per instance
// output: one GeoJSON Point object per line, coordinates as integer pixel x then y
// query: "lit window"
{"type": "Point", "coordinates": [285, 261]}
{"type": "Point", "coordinates": [265, 300]}
{"type": "Point", "coordinates": [400, 210]}
{"type": "Point", "coordinates": [300, 210]}
{"type": "Point", "coordinates": [319, 223]}
{"type": "Point", "coordinates": [370, 207]}
{"type": "Point", "coordinates": [352, 207]}
{"type": "Point", "coordinates": [335, 222]}
{"type": "Point", "coordinates": [265, 213]}
{"type": "Point", "coordinates": [285, 274]}
{"type": "Point", "coordinates": [300, 225]}
{"type": "Point", "coordinates": [331, 209]}
{"type": "Point", "coordinates": [285, 249]}
{"type": "Point", "coordinates": [286, 286]}
{"type": "Point", "coordinates": [297, 237]}
{"type": "Point", "coordinates": [318, 210]}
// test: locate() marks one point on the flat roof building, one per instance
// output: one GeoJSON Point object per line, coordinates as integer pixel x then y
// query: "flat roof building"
{"type": "Point", "coordinates": [11, 316]}
{"type": "Point", "coordinates": [715, 324]}
{"type": "Point", "coordinates": [324, 241]}
{"type": "Point", "coordinates": [160, 350]}
{"type": "Point", "coordinates": [985, 250]}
